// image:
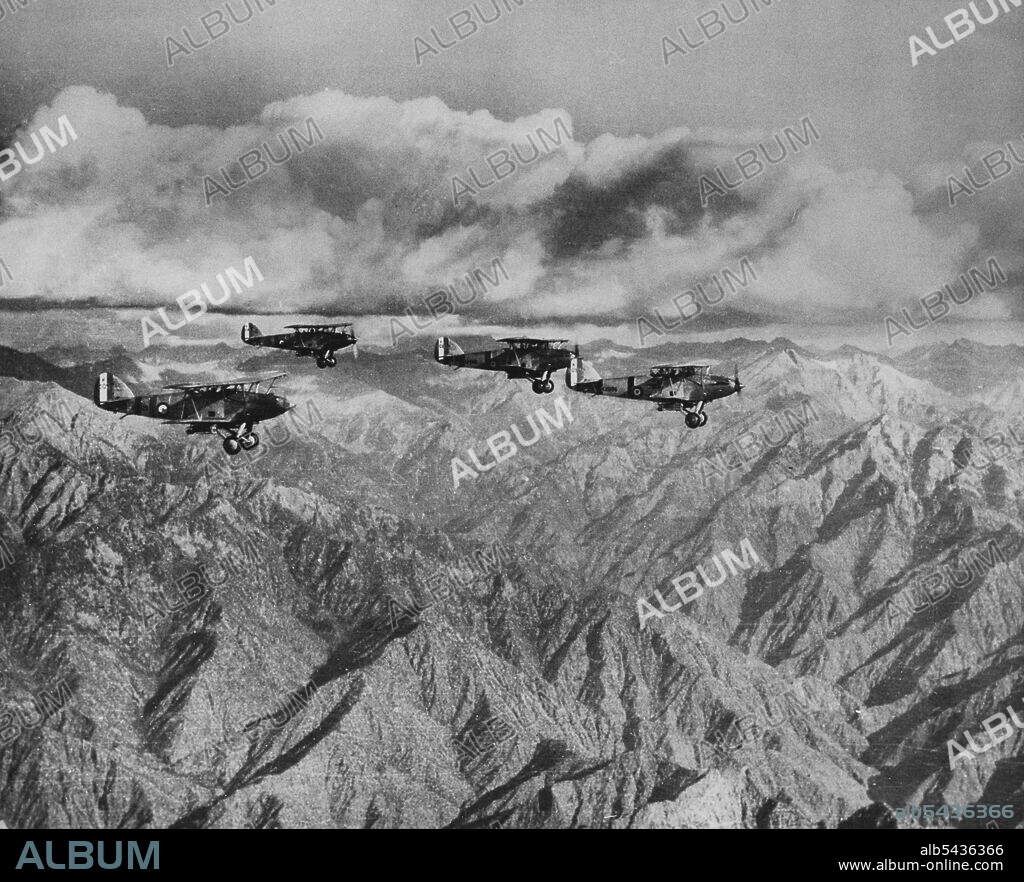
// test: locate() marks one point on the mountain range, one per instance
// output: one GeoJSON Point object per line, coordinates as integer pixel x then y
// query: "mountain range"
{"type": "Point", "coordinates": [530, 694]}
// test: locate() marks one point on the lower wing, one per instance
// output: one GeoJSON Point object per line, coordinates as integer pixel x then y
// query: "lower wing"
{"type": "Point", "coordinates": [205, 424]}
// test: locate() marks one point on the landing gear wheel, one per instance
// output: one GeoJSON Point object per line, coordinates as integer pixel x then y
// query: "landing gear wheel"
{"type": "Point", "coordinates": [331, 361]}
{"type": "Point", "coordinates": [321, 362]}
{"type": "Point", "coordinates": [703, 419]}
{"type": "Point", "coordinates": [538, 387]}
{"type": "Point", "coordinates": [548, 387]}
{"type": "Point", "coordinates": [231, 446]}
{"type": "Point", "coordinates": [247, 442]}
{"type": "Point", "coordinates": [693, 420]}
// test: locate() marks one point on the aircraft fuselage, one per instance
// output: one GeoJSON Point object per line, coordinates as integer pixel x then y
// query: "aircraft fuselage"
{"type": "Point", "coordinates": [517, 363]}
{"type": "Point", "coordinates": [233, 408]}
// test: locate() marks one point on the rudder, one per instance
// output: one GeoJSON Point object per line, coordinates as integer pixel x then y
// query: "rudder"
{"type": "Point", "coordinates": [580, 373]}
{"type": "Point", "coordinates": [446, 348]}
{"type": "Point", "coordinates": [109, 388]}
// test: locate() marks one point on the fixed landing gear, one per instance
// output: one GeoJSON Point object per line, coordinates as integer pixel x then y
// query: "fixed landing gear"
{"type": "Point", "coordinates": [235, 443]}
{"type": "Point", "coordinates": [326, 361]}
{"type": "Point", "coordinates": [543, 387]}
{"type": "Point", "coordinates": [695, 419]}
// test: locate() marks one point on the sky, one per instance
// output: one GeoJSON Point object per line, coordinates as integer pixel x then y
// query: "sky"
{"type": "Point", "coordinates": [607, 228]}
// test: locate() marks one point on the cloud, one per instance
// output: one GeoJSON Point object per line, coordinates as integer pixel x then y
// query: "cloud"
{"type": "Point", "coordinates": [364, 221]}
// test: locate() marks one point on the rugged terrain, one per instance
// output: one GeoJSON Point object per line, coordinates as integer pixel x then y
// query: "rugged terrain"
{"type": "Point", "coordinates": [310, 681]}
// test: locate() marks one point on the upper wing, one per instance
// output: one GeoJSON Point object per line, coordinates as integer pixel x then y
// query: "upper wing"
{"type": "Point", "coordinates": [225, 384]}
{"type": "Point", "coordinates": [693, 366]}
{"type": "Point", "coordinates": [528, 341]}
{"type": "Point", "coordinates": [675, 373]}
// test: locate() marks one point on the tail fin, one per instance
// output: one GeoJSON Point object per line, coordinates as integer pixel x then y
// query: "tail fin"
{"type": "Point", "coordinates": [580, 373]}
{"type": "Point", "coordinates": [446, 348]}
{"type": "Point", "coordinates": [109, 388]}
{"type": "Point", "coordinates": [249, 330]}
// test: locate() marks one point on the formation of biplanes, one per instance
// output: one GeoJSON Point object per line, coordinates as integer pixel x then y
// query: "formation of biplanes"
{"type": "Point", "coordinates": [233, 408]}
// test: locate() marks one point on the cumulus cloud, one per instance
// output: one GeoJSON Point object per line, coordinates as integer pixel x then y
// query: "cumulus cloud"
{"type": "Point", "coordinates": [366, 220]}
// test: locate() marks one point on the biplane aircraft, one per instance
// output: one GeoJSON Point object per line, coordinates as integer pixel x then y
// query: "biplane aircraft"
{"type": "Point", "coordinates": [231, 408]}
{"type": "Point", "coordinates": [685, 388]}
{"type": "Point", "coordinates": [307, 341]}
{"type": "Point", "coordinates": [522, 358]}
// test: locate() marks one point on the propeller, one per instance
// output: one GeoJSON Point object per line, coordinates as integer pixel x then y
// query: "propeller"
{"type": "Point", "coordinates": [736, 379]}
{"type": "Point", "coordinates": [355, 351]}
